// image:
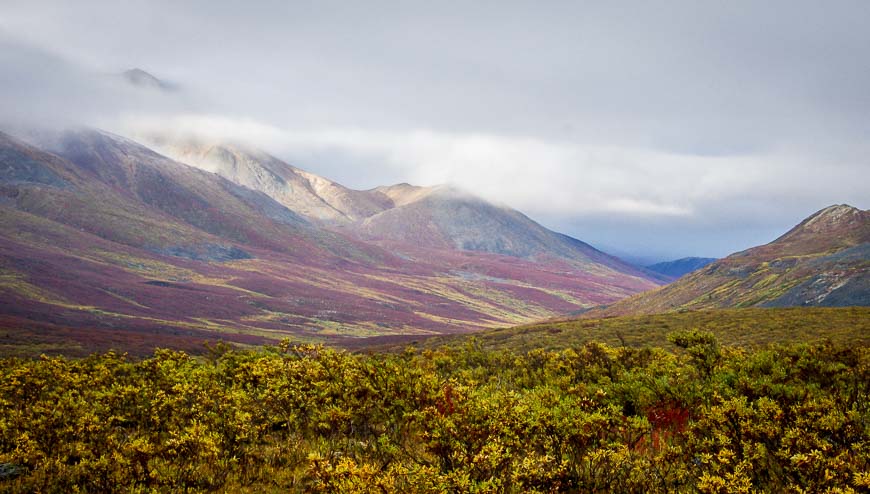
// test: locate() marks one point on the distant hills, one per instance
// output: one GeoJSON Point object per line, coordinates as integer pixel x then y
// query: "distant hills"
{"type": "Point", "coordinates": [675, 269]}
{"type": "Point", "coordinates": [105, 242]}
{"type": "Point", "coordinates": [823, 261]}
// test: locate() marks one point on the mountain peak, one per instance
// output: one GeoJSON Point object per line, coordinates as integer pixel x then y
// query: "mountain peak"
{"type": "Point", "coordinates": [833, 216]}
{"type": "Point", "coordinates": [839, 220]}
{"type": "Point", "coordinates": [141, 78]}
{"type": "Point", "coordinates": [404, 193]}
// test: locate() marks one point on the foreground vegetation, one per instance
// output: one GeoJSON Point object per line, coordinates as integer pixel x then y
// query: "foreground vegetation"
{"type": "Point", "coordinates": [702, 418]}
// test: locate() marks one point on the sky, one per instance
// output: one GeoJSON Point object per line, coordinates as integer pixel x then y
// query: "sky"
{"type": "Point", "coordinates": [654, 130]}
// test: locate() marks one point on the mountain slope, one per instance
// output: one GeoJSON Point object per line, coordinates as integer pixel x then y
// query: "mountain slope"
{"type": "Point", "coordinates": [680, 267]}
{"type": "Point", "coordinates": [406, 217]}
{"type": "Point", "coordinates": [310, 195]}
{"type": "Point", "coordinates": [432, 223]}
{"type": "Point", "coordinates": [447, 218]}
{"type": "Point", "coordinates": [200, 199]}
{"type": "Point", "coordinates": [823, 261]}
{"type": "Point", "coordinates": [110, 244]}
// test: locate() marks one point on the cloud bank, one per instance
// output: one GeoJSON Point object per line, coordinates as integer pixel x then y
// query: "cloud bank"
{"type": "Point", "coordinates": [655, 130]}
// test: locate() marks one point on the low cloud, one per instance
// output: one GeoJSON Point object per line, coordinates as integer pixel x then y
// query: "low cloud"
{"type": "Point", "coordinates": [740, 200]}
{"type": "Point", "coordinates": [680, 128]}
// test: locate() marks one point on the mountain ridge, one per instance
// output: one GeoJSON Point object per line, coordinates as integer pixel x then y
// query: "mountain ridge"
{"type": "Point", "coordinates": [822, 261]}
{"type": "Point", "coordinates": [394, 216]}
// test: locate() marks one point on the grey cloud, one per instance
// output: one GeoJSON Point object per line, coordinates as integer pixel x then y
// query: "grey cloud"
{"type": "Point", "coordinates": [770, 98]}
{"type": "Point", "coordinates": [722, 73]}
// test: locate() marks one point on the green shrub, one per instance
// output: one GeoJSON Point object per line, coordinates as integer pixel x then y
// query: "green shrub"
{"type": "Point", "coordinates": [704, 418]}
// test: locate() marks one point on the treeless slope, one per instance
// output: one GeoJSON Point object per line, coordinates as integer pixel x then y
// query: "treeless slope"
{"type": "Point", "coordinates": [823, 261]}
{"type": "Point", "coordinates": [307, 194]}
{"type": "Point", "coordinates": [447, 218]}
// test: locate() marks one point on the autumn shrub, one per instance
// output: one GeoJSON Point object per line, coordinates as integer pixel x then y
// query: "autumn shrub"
{"type": "Point", "coordinates": [698, 417]}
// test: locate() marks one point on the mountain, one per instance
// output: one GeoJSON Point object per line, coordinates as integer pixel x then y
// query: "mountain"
{"type": "Point", "coordinates": [679, 267]}
{"type": "Point", "coordinates": [142, 79]}
{"type": "Point", "coordinates": [312, 196]}
{"type": "Point", "coordinates": [823, 261]}
{"type": "Point", "coordinates": [105, 243]}
{"type": "Point", "coordinates": [401, 218]}
{"type": "Point", "coordinates": [444, 217]}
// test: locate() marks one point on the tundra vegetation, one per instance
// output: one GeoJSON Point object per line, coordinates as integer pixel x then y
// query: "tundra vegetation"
{"type": "Point", "coordinates": [692, 416]}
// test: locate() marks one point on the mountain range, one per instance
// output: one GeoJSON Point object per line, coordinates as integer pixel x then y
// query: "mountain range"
{"type": "Point", "coordinates": [169, 240]}
{"type": "Point", "coordinates": [106, 240]}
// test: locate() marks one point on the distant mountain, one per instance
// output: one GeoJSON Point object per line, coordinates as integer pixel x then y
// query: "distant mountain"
{"type": "Point", "coordinates": [823, 261]}
{"type": "Point", "coordinates": [444, 217]}
{"type": "Point", "coordinates": [105, 243]}
{"type": "Point", "coordinates": [142, 79]}
{"type": "Point", "coordinates": [679, 267]}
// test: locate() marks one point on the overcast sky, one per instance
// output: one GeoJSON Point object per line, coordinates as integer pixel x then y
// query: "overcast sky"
{"type": "Point", "coordinates": [653, 129]}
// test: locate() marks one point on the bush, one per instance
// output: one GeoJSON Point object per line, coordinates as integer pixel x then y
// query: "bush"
{"type": "Point", "coordinates": [310, 419]}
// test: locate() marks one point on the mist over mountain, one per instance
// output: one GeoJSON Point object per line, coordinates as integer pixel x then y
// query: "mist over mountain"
{"type": "Point", "coordinates": [437, 217]}
{"type": "Point", "coordinates": [140, 78]}
{"type": "Point", "coordinates": [423, 247]}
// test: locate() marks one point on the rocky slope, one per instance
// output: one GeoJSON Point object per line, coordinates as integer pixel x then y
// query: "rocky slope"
{"type": "Point", "coordinates": [310, 195]}
{"type": "Point", "coordinates": [823, 261]}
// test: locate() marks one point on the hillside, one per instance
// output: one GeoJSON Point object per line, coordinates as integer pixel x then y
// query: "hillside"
{"type": "Point", "coordinates": [108, 244]}
{"type": "Point", "coordinates": [823, 261]}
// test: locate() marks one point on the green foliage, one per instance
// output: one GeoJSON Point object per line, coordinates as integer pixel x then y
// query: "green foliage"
{"type": "Point", "coordinates": [592, 418]}
{"type": "Point", "coordinates": [702, 348]}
